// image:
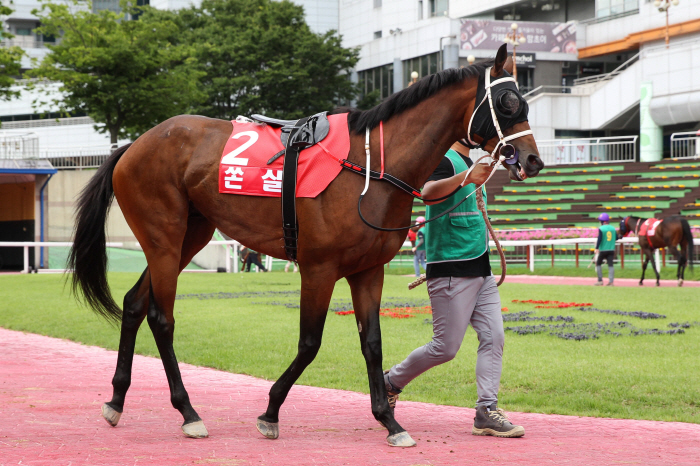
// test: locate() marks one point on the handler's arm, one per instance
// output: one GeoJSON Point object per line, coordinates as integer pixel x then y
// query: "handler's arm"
{"type": "Point", "coordinates": [435, 189]}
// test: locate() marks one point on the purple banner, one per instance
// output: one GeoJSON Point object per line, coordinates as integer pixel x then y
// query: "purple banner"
{"type": "Point", "coordinates": [539, 37]}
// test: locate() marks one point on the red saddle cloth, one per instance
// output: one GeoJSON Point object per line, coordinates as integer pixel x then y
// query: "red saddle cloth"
{"type": "Point", "coordinates": [243, 168]}
{"type": "Point", "coordinates": [648, 228]}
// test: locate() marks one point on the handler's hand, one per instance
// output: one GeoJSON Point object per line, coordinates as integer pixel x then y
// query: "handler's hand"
{"type": "Point", "coordinates": [479, 174]}
{"type": "Point", "coordinates": [595, 251]}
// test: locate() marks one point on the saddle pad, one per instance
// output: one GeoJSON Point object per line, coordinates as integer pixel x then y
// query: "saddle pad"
{"type": "Point", "coordinates": [243, 168]}
{"type": "Point", "coordinates": [648, 228]}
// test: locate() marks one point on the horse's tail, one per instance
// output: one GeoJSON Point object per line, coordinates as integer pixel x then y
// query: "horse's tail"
{"type": "Point", "coordinates": [688, 235]}
{"type": "Point", "coordinates": [88, 255]}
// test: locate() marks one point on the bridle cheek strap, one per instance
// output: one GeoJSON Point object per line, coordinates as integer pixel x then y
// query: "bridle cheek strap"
{"type": "Point", "coordinates": [502, 139]}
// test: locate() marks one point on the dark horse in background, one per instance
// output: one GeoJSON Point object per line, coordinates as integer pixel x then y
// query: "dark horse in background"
{"type": "Point", "coordinates": [670, 233]}
{"type": "Point", "coordinates": [167, 187]}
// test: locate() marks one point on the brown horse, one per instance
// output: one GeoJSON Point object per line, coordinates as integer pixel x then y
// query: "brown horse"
{"type": "Point", "coordinates": [670, 233]}
{"type": "Point", "coordinates": [166, 184]}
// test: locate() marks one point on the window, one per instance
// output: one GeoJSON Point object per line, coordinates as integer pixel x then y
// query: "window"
{"type": "Point", "coordinates": [606, 8]}
{"type": "Point", "coordinates": [425, 65]}
{"type": "Point", "coordinates": [438, 8]}
{"type": "Point", "coordinates": [23, 32]}
{"type": "Point", "coordinates": [377, 34]}
{"type": "Point", "coordinates": [420, 9]}
{"type": "Point", "coordinates": [380, 78]}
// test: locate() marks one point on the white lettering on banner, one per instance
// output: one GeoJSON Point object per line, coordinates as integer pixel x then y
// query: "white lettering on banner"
{"type": "Point", "coordinates": [272, 182]}
{"type": "Point", "coordinates": [230, 158]}
{"type": "Point", "coordinates": [234, 174]}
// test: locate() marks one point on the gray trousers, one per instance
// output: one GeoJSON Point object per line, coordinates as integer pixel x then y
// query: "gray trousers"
{"type": "Point", "coordinates": [457, 302]}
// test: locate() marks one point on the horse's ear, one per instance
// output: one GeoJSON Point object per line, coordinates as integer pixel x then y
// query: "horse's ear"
{"type": "Point", "coordinates": [509, 64]}
{"type": "Point", "coordinates": [501, 58]}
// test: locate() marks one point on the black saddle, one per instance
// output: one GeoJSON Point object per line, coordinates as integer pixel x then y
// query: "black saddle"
{"type": "Point", "coordinates": [272, 121]}
{"type": "Point", "coordinates": [296, 136]}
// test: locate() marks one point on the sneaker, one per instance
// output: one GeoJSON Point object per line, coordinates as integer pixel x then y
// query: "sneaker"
{"type": "Point", "coordinates": [493, 421]}
{"type": "Point", "coordinates": [392, 393]}
{"type": "Point", "coordinates": [610, 284]}
{"type": "Point", "coordinates": [598, 283]}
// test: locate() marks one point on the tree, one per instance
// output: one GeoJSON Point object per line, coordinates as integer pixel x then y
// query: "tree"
{"type": "Point", "coordinates": [260, 56]}
{"type": "Point", "coordinates": [128, 75]}
{"type": "Point", "coordinates": [10, 59]}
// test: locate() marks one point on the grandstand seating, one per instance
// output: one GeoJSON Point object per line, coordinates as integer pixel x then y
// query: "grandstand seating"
{"type": "Point", "coordinates": [574, 195]}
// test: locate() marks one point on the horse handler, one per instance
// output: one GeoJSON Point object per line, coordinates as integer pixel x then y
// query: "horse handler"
{"type": "Point", "coordinates": [462, 291]}
{"type": "Point", "coordinates": [605, 249]}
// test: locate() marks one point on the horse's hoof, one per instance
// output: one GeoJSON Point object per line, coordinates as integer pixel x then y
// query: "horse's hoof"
{"type": "Point", "coordinates": [641, 283]}
{"type": "Point", "coordinates": [680, 282]}
{"type": "Point", "coordinates": [195, 430]}
{"type": "Point", "coordinates": [268, 429]}
{"type": "Point", "coordinates": [111, 415]}
{"type": "Point", "coordinates": [402, 439]}
{"type": "Point", "coordinates": [658, 284]}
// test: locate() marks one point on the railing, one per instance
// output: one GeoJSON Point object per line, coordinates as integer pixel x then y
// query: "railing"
{"type": "Point", "coordinates": [26, 42]}
{"type": "Point", "coordinates": [587, 150]}
{"type": "Point", "coordinates": [547, 89]}
{"type": "Point", "coordinates": [685, 145]}
{"type": "Point", "coordinates": [77, 157]}
{"type": "Point", "coordinates": [572, 251]}
{"type": "Point", "coordinates": [45, 122]}
{"type": "Point", "coordinates": [607, 76]}
{"type": "Point", "coordinates": [19, 146]}
{"type": "Point", "coordinates": [230, 247]}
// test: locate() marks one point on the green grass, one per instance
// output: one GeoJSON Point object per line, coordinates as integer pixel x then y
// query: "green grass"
{"type": "Point", "coordinates": [644, 377]}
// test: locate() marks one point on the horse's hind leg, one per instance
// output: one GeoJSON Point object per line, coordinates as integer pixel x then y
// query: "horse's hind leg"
{"type": "Point", "coordinates": [135, 308]}
{"type": "Point", "coordinates": [653, 267]}
{"type": "Point", "coordinates": [366, 289]}
{"type": "Point", "coordinates": [136, 304]}
{"type": "Point", "coordinates": [316, 290]}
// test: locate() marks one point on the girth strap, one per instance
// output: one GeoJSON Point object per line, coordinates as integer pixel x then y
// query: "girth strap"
{"type": "Point", "coordinates": [289, 192]}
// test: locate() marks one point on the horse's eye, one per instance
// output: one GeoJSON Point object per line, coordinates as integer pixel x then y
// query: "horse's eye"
{"type": "Point", "coordinates": [508, 103]}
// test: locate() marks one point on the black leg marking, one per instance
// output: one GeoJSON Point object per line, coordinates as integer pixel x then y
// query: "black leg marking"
{"type": "Point", "coordinates": [134, 312]}
{"type": "Point", "coordinates": [163, 331]}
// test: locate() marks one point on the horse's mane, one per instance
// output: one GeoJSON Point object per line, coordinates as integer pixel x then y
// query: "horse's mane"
{"type": "Point", "coordinates": [407, 98]}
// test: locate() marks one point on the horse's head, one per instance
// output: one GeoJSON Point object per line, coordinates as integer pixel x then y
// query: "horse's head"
{"type": "Point", "coordinates": [498, 120]}
{"type": "Point", "coordinates": [624, 229]}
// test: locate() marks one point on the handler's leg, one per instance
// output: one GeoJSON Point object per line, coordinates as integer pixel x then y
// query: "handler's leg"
{"type": "Point", "coordinates": [488, 324]}
{"type": "Point", "coordinates": [453, 300]}
{"type": "Point", "coordinates": [611, 267]}
{"type": "Point", "coordinates": [599, 268]}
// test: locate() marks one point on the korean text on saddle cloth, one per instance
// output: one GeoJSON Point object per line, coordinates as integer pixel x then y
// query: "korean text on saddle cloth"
{"type": "Point", "coordinates": [244, 170]}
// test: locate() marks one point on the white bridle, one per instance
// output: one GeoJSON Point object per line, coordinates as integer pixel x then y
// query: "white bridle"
{"type": "Point", "coordinates": [502, 139]}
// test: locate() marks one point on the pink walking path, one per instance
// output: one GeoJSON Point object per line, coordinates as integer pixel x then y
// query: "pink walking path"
{"type": "Point", "coordinates": [51, 391]}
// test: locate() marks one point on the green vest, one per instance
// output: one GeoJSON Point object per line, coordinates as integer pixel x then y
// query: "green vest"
{"type": "Point", "coordinates": [461, 234]}
{"type": "Point", "coordinates": [609, 237]}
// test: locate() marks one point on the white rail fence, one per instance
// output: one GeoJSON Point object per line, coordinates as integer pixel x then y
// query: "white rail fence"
{"type": "Point", "coordinates": [587, 150]}
{"type": "Point", "coordinates": [528, 252]}
{"type": "Point", "coordinates": [685, 145]}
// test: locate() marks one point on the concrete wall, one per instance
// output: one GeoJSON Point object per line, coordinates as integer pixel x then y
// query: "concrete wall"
{"type": "Point", "coordinates": [63, 191]}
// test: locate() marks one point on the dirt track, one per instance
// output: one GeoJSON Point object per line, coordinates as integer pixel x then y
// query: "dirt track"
{"type": "Point", "coordinates": [51, 391]}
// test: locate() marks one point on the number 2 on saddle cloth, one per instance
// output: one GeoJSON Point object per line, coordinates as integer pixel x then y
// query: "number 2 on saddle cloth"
{"type": "Point", "coordinates": [244, 168]}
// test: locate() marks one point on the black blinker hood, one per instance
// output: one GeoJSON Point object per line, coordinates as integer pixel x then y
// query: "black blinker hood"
{"type": "Point", "coordinates": [482, 123]}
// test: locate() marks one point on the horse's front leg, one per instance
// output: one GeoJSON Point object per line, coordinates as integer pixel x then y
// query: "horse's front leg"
{"type": "Point", "coordinates": [644, 268]}
{"type": "Point", "coordinates": [653, 267]}
{"type": "Point", "coordinates": [366, 288]}
{"type": "Point", "coordinates": [316, 290]}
